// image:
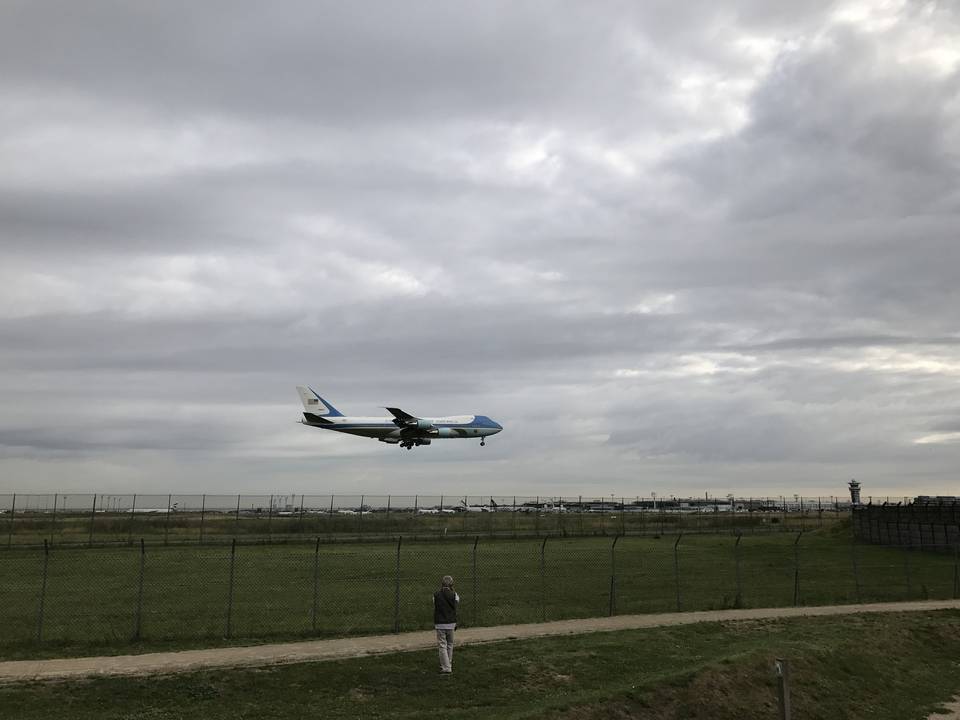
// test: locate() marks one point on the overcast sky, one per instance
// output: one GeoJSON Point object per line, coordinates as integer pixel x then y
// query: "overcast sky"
{"type": "Point", "coordinates": [670, 247]}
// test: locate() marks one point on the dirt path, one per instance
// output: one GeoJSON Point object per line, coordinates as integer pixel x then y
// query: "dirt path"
{"type": "Point", "coordinates": [316, 650]}
{"type": "Point", "coordinates": [953, 712]}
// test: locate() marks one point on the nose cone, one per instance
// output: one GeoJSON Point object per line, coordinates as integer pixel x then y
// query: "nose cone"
{"type": "Point", "coordinates": [492, 426]}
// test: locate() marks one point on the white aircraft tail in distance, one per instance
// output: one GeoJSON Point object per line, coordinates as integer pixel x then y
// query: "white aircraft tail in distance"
{"type": "Point", "coordinates": [401, 428]}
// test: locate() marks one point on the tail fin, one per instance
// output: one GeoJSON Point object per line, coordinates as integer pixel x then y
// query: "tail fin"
{"type": "Point", "coordinates": [313, 403]}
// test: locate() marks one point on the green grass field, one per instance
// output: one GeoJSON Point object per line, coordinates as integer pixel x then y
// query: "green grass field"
{"type": "Point", "coordinates": [93, 600]}
{"type": "Point", "coordinates": [74, 527]}
{"type": "Point", "coordinates": [877, 667]}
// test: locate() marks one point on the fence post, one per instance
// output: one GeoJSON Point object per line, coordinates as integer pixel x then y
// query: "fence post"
{"type": "Point", "coordinates": [676, 567]}
{"type": "Point", "coordinates": [270, 521]}
{"type": "Point", "coordinates": [613, 576]}
{"type": "Point", "coordinates": [13, 510]}
{"type": "Point", "coordinates": [138, 618]}
{"type": "Point", "coordinates": [316, 585]}
{"type": "Point", "coordinates": [53, 523]}
{"type": "Point", "coordinates": [475, 602]}
{"type": "Point", "coordinates": [783, 687]}
{"type": "Point", "coordinates": [300, 529]}
{"type": "Point", "coordinates": [386, 530]}
{"type": "Point", "coordinates": [233, 561]}
{"type": "Point", "coordinates": [856, 567]}
{"type": "Point", "coordinates": [441, 528]}
{"type": "Point", "coordinates": [93, 515]}
{"type": "Point", "coordinates": [907, 573]}
{"type": "Point", "coordinates": [956, 571]}
{"type": "Point", "coordinates": [360, 516]}
{"type": "Point", "coordinates": [543, 579]}
{"type": "Point", "coordinates": [536, 517]}
{"type": "Point", "coordinates": [203, 512]}
{"type": "Point", "coordinates": [738, 600]}
{"type": "Point", "coordinates": [796, 569]}
{"type": "Point", "coordinates": [166, 525]}
{"type": "Point", "coordinates": [133, 509]}
{"type": "Point", "coordinates": [43, 590]}
{"type": "Point", "coordinates": [492, 525]}
{"type": "Point", "coordinates": [396, 589]}
{"type": "Point", "coordinates": [236, 518]}
{"type": "Point", "coordinates": [623, 527]}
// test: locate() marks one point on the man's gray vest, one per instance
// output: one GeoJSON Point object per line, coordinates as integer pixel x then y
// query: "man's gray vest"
{"type": "Point", "coordinates": [444, 606]}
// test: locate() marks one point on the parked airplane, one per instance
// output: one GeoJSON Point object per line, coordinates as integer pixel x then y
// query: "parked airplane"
{"type": "Point", "coordinates": [402, 429]}
{"type": "Point", "coordinates": [471, 508]}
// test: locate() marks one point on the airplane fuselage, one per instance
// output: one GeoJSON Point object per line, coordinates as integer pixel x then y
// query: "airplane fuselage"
{"type": "Point", "coordinates": [402, 429]}
{"type": "Point", "coordinates": [454, 426]}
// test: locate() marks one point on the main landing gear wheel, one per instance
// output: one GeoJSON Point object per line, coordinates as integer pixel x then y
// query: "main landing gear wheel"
{"type": "Point", "coordinates": [482, 443]}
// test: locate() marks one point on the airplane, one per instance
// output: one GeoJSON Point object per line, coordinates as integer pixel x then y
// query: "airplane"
{"type": "Point", "coordinates": [471, 508]}
{"type": "Point", "coordinates": [402, 429]}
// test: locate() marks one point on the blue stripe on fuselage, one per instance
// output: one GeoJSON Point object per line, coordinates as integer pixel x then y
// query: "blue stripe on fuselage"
{"type": "Point", "coordinates": [480, 421]}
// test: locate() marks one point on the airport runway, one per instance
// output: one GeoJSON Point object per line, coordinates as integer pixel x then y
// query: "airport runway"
{"type": "Point", "coordinates": [342, 648]}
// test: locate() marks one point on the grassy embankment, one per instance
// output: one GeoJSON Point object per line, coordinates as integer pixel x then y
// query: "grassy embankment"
{"type": "Point", "coordinates": [93, 601]}
{"type": "Point", "coordinates": [881, 667]}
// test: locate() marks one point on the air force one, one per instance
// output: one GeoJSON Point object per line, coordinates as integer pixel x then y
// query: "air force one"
{"type": "Point", "coordinates": [402, 429]}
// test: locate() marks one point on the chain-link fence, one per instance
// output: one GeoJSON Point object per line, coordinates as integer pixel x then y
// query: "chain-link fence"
{"type": "Point", "coordinates": [111, 595]}
{"type": "Point", "coordinates": [919, 524]}
{"type": "Point", "coordinates": [105, 519]}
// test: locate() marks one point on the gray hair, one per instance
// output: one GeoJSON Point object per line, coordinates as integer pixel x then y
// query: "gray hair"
{"type": "Point", "coordinates": [447, 581]}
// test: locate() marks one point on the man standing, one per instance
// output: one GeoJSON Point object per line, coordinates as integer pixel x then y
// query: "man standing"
{"type": "Point", "coordinates": [445, 602]}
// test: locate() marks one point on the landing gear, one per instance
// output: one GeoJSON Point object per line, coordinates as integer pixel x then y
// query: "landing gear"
{"type": "Point", "coordinates": [410, 443]}
{"type": "Point", "coordinates": [483, 442]}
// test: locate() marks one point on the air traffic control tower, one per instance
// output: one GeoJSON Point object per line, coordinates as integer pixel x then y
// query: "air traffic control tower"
{"type": "Point", "coordinates": [854, 492]}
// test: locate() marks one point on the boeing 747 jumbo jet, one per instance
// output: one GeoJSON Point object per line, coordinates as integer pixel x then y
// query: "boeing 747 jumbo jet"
{"type": "Point", "coordinates": [402, 429]}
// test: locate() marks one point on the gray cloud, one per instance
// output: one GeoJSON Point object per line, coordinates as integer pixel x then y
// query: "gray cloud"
{"type": "Point", "coordinates": [712, 247]}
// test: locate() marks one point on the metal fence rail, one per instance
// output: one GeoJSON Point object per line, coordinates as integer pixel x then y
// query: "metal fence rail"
{"type": "Point", "coordinates": [112, 595]}
{"type": "Point", "coordinates": [170, 519]}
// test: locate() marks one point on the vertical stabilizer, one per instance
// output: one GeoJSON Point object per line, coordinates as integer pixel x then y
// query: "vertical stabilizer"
{"type": "Point", "coordinates": [315, 404]}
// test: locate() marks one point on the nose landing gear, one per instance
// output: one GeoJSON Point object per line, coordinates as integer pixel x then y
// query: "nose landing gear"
{"type": "Point", "coordinates": [483, 442]}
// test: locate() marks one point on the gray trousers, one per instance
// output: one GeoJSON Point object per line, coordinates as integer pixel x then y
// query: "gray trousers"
{"type": "Point", "coordinates": [445, 646]}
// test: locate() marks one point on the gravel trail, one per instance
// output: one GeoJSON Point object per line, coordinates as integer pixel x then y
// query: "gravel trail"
{"type": "Point", "coordinates": [317, 650]}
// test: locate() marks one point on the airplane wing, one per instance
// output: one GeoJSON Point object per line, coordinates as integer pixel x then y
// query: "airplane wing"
{"type": "Point", "coordinates": [408, 422]}
{"type": "Point", "coordinates": [402, 418]}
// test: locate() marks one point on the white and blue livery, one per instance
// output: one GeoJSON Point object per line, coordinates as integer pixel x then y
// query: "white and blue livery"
{"type": "Point", "coordinates": [402, 429]}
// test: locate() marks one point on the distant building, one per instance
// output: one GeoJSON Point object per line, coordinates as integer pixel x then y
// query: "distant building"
{"type": "Point", "coordinates": [854, 492]}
